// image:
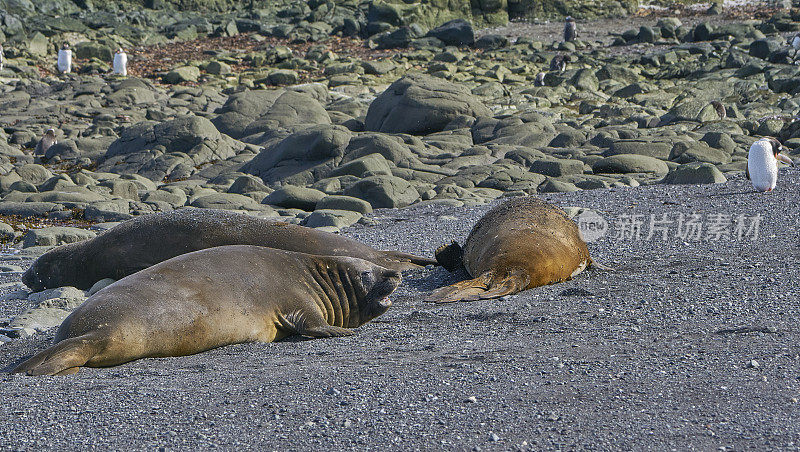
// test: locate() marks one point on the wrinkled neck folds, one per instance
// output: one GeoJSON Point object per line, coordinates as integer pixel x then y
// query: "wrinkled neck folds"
{"type": "Point", "coordinates": [337, 295]}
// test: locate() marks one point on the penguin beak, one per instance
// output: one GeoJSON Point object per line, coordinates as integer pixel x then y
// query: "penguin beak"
{"type": "Point", "coordinates": [785, 159]}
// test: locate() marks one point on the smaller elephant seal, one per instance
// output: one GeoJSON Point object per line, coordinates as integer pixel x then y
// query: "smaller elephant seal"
{"type": "Point", "coordinates": [149, 239]}
{"type": "Point", "coordinates": [520, 244]}
{"type": "Point", "coordinates": [217, 297]}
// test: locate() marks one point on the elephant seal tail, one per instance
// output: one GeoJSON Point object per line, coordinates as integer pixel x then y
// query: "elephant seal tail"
{"type": "Point", "coordinates": [450, 256]}
{"type": "Point", "coordinates": [397, 260]}
{"type": "Point", "coordinates": [484, 287]}
{"type": "Point", "coordinates": [63, 358]}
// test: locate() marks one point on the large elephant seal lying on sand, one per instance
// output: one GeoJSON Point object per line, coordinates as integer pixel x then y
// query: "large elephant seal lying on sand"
{"type": "Point", "coordinates": [520, 244]}
{"type": "Point", "coordinates": [215, 297]}
{"type": "Point", "coordinates": [147, 240]}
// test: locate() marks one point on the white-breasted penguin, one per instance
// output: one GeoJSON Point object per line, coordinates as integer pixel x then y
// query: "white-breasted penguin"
{"type": "Point", "coordinates": [44, 144]}
{"type": "Point", "coordinates": [762, 163]}
{"type": "Point", "coordinates": [570, 30]}
{"type": "Point", "coordinates": [794, 41]}
{"type": "Point", "coordinates": [120, 62]}
{"type": "Point", "coordinates": [64, 62]}
{"type": "Point", "coordinates": [559, 63]}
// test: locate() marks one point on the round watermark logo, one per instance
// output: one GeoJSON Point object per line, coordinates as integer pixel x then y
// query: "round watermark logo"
{"type": "Point", "coordinates": [591, 225]}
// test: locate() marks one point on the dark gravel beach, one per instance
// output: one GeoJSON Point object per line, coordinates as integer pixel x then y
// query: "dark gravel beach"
{"type": "Point", "coordinates": [686, 345]}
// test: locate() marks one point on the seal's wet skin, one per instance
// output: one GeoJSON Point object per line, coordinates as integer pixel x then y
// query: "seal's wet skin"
{"type": "Point", "coordinates": [520, 244]}
{"type": "Point", "coordinates": [147, 240]}
{"type": "Point", "coordinates": [216, 297]}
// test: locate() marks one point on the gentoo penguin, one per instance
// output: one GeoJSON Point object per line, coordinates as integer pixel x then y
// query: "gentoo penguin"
{"type": "Point", "coordinates": [539, 81]}
{"type": "Point", "coordinates": [120, 62]}
{"type": "Point", "coordinates": [570, 31]}
{"type": "Point", "coordinates": [559, 63]}
{"type": "Point", "coordinates": [795, 43]}
{"type": "Point", "coordinates": [64, 62]}
{"type": "Point", "coordinates": [762, 163]}
{"type": "Point", "coordinates": [719, 108]}
{"type": "Point", "coordinates": [44, 144]}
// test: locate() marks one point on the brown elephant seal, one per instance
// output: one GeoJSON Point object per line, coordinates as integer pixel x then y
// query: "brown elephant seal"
{"type": "Point", "coordinates": [520, 244]}
{"type": "Point", "coordinates": [147, 240]}
{"type": "Point", "coordinates": [216, 297]}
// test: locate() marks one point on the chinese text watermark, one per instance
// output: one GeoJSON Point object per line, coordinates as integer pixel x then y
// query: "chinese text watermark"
{"type": "Point", "coordinates": [689, 228]}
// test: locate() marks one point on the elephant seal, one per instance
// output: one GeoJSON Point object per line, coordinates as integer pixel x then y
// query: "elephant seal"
{"type": "Point", "coordinates": [520, 244]}
{"type": "Point", "coordinates": [147, 240]}
{"type": "Point", "coordinates": [217, 297]}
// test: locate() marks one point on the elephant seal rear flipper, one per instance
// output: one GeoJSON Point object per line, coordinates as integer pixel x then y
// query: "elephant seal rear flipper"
{"type": "Point", "coordinates": [64, 358]}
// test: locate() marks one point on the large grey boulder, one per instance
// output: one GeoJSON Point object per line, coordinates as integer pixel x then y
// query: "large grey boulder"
{"type": "Point", "coordinates": [695, 173]}
{"type": "Point", "coordinates": [226, 201]}
{"type": "Point", "coordinates": [251, 112]}
{"type": "Point", "coordinates": [27, 209]}
{"type": "Point", "coordinates": [457, 32]}
{"type": "Point", "coordinates": [384, 191]}
{"type": "Point", "coordinates": [49, 309]}
{"type": "Point", "coordinates": [182, 74]}
{"type": "Point", "coordinates": [293, 197]}
{"type": "Point", "coordinates": [331, 218]}
{"type": "Point", "coordinates": [301, 158]}
{"type": "Point", "coordinates": [339, 202]}
{"type": "Point", "coordinates": [56, 235]}
{"type": "Point", "coordinates": [157, 150]}
{"type": "Point", "coordinates": [90, 49]}
{"type": "Point", "coordinates": [557, 167]}
{"type": "Point", "coordinates": [630, 163]}
{"type": "Point", "coordinates": [420, 104]}
{"type": "Point", "coordinates": [368, 165]}
{"type": "Point", "coordinates": [698, 151]}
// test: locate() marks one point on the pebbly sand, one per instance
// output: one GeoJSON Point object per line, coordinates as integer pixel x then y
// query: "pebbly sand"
{"type": "Point", "coordinates": [686, 345]}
